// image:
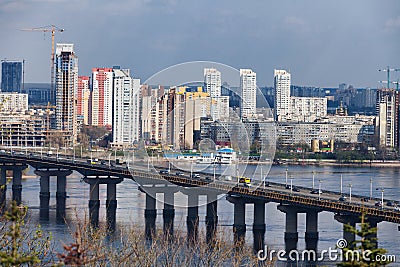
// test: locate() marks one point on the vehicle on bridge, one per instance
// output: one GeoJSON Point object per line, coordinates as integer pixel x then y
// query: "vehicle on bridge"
{"type": "Point", "coordinates": [246, 181]}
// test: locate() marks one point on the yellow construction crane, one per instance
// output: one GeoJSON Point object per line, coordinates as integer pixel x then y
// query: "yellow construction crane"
{"type": "Point", "coordinates": [53, 29]}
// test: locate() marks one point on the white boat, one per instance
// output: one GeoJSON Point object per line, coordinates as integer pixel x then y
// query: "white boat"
{"type": "Point", "coordinates": [206, 158]}
{"type": "Point", "coordinates": [225, 156]}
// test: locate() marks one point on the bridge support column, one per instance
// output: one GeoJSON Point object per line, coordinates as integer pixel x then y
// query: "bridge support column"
{"type": "Point", "coordinates": [3, 188]}
{"type": "Point", "coordinates": [311, 235]}
{"type": "Point", "coordinates": [61, 193]}
{"type": "Point", "coordinates": [17, 184]}
{"type": "Point", "coordinates": [192, 220]}
{"type": "Point", "coordinates": [44, 194]}
{"type": "Point", "coordinates": [111, 206]}
{"type": "Point", "coordinates": [373, 223]}
{"type": "Point", "coordinates": [211, 217]}
{"type": "Point", "coordinates": [259, 226]}
{"type": "Point", "coordinates": [150, 214]}
{"type": "Point", "coordinates": [350, 220]}
{"type": "Point", "coordinates": [239, 225]}
{"type": "Point", "coordinates": [94, 203]}
{"type": "Point", "coordinates": [291, 234]}
{"type": "Point", "coordinates": [168, 214]}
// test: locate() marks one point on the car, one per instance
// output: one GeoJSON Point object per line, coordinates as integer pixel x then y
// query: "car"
{"type": "Point", "coordinates": [208, 178]}
{"type": "Point", "coordinates": [343, 198]}
{"type": "Point", "coordinates": [397, 208]}
{"type": "Point", "coordinates": [195, 175]}
{"type": "Point", "coordinates": [103, 162]}
{"type": "Point", "coordinates": [164, 172]}
{"type": "Point", "coordinates": [365, 199]}
{"type": "Point", "coordinates": [390, 204]}
{"type": "Point", "coordinates": [316, 191]}
{"type": "Point", "coordinates": [179, 174]}
{"type": "Point", "coordinates": [295, 189]}
{"type": "Point", "coordinates": [378, 204]}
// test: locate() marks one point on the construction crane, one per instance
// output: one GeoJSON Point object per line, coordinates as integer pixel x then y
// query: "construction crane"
{"type": "Point", "coordinates": [53, 29]}
{"type": "Point", "coordinates": [388, 70]}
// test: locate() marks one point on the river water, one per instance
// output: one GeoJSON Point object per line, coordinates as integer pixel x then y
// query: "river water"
{"type": "Point", "coordinates": [131, 204]}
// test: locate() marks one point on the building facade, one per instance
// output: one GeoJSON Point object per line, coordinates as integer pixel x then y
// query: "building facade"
{"type": "Point", "coordinates": [125, 123]}
{"type": "Point", "coordinates": [11, 76]}
{"type": "Point", "coordinates": [248, 89]}
{"type": "Point", "coordinates": [387, 120]}
{"type": "Point", "coordinates": [102, 94]}
{"type": "Point", "coordinates": [307, 109]}
{"type": "Point", "coordinates": [13, 102]}
{"type": "Point", "coordinates": [282, 82]}
{"type": "Point", "coordinates": [66, 83]}
{"type": "Point", "coordinates": [83, 98]}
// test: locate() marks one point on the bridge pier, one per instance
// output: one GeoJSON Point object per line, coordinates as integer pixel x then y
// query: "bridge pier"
{"type": "Point", "coordinates": [94, 202]}
{"type": "Point", "coordinates": [17, 183]}
{"type": "Point", "coordinates": [3, 188]}
{"type": "Point", "coordinates": [291, 234]}
{"type": "Point", "coordinates": [211, 217]}
{"type": "Point", "coordinates": [239, 225]}
{"type": "Point", "coordinates": [61, 193]}
{"type": "Point", "coordinates": [373, 223]}
{"type": "Point", "coordinates": [259, 226]}
{"type": "Point", "coordinates": [44, 194]}
{"type": "Point", "coordinates": [349, 220]}
{"type": "Point", "coordinates": [168, 214]}
{"type": "Point", "coordinates": [111, 206]}
{"type": "Point", "coordinates": [150, 215]}
{"type": "Point", "coordinates": [192, 220]}
{"type": "Point", "coordinates": [311, 235]}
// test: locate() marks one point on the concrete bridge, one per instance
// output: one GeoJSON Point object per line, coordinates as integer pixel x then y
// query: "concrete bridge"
{"type": "Point", "coordinates": [151, 182]}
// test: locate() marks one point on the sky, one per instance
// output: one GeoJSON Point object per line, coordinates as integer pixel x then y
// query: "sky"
{"type": "Point", "coordinates": [322, 43]}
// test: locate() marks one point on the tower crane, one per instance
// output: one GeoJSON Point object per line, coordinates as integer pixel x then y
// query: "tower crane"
{"type": "Point", "coordinates": [388, 70]}
{"type": "Point", "coordinates": [53, 29]}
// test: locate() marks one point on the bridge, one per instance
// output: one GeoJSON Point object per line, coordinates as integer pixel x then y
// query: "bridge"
{"type": "Point", "coordinates": [292, 201]}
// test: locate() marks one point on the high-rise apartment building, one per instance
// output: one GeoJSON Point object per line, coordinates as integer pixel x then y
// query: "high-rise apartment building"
{"type": "Point", "coordinates": [102, 96]}
{"type": "Point", "coordinates": [387, 120]}
{"type": "Point", "coordinates": [248, 88]}
{"type": "Point", "coordinates": [212, 81]}
{"type": "Point", "coordinates": [219, 103]}
{"type": "Point", "coordinates": [126, 109]}
{"type": "Point", "coordinates": [282, 94]}
{"type": "Point", "coordinates": [153, 113]}
{"type": "Point", "coordinates": [66, 84]}
{"type": "Point", "coordinates": [11, 76]}
{"type": "Point", "coordinates": [83, 97]}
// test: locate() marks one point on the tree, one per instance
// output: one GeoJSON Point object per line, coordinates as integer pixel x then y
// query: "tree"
{"type": "Point", "coordinates": [363, 252]}
{"type": "Point", "coordinates": [19, 246]}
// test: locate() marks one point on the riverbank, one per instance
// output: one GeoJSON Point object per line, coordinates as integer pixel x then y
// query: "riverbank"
{"type": "Point", "coordinates": [354, 163]}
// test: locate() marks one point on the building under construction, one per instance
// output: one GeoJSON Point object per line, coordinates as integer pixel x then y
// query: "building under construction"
{"type": "Point", "coordinates": [22, 129]}
{"type": "Point", "coordinates": [66, 88]}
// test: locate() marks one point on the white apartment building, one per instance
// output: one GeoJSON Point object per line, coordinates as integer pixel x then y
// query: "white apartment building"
{"type": "Point", "coordinates": [219, 103]}
{"type": "Point", "coordinates": [13, 102]}
{"type": "Point", "coordinates": [126, 109]}
{"type": "Point", "coordinates": [248, 88]}
{"type": "Point", "coordinates": [282, 82]}
{"type": "Point", "coordinates": [307, 109]}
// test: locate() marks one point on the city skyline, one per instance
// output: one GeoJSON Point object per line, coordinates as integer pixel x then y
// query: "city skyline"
{"type": "Point", "coordinates": [321, 44]}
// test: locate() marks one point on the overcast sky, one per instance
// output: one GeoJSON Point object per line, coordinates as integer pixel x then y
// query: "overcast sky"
{"type": "Point", "coordinates": [322, 43]}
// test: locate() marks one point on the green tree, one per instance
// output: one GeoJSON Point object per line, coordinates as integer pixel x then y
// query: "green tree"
{"type": "Point", "coordinates": [11, 253]}
{"type": "Point", "coordinates": [366, 245]}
